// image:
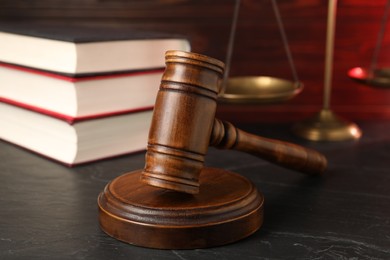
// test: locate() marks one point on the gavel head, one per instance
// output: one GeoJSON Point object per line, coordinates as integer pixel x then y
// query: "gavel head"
{"type": "Point", "coordinates": [182, 121]}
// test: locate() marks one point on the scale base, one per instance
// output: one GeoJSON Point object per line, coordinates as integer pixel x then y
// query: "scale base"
{"type": "Point", "coordinates": [326, 126]}
{"type": "Point", "coordinates": [227, 208]}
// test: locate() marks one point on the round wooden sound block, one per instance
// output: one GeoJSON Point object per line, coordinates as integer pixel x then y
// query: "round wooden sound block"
{"type": "Point", "coordinates": [227, 208]}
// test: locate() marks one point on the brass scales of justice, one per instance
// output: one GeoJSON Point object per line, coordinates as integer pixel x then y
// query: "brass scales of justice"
{"type": "Point", "coordinates": [175, 202]}
{"type": "Point", "coordinates": [375, 76]}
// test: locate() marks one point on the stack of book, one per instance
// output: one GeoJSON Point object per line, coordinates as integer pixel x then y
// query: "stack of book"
{"type": "Point", "coordinates": [77, 95]}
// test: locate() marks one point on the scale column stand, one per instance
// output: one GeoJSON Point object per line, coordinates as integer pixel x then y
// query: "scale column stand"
{"type": "Point", "coordinates": [325, 125]}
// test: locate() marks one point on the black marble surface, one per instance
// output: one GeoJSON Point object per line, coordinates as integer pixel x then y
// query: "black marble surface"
{"type": "Point", "coordinates": [49, 211]}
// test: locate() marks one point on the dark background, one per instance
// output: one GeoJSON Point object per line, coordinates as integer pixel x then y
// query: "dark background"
{"type": "Point", "coordinates": [258, 49]}
{"type": "Point", "coordinates": [49, 211]}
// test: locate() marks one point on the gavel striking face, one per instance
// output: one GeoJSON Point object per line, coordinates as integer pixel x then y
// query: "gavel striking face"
{"type": "Point", "coordinates": [184, 125]}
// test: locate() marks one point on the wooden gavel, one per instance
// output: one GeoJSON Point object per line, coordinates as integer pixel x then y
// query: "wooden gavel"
{"type": "Point", "coordinates": [184, 125]}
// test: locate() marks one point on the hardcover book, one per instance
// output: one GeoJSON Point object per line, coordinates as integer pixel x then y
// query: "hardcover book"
{"type": "Point", "coordinates": [76, 143]}
{"type": "Point", "coordinates": [78, 98]}
{"type": "Point", "coordinates": [85, 49]}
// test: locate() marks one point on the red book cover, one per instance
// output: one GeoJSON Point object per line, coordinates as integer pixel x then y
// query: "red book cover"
{"type": "Point", "coordinates": [73, 81]}
{"type": "Point", "coordinates": [79, 142]}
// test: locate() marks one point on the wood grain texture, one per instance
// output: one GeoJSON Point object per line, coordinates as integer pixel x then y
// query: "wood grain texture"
{"type": "Point", "coordinates": [292, 156]}
{"type": "Point", "coordinates": [227, 209]}
{"type": "Point", "coordinates": [182, 121]}
{"type": "Point", "coordinates": [183, 125]}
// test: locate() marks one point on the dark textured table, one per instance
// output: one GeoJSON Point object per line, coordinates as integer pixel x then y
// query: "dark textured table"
{"type": "Point", "coordinates": [49, 211]}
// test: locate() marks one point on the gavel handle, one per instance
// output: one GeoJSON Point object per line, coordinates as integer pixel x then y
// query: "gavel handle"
{"type": "Point", "coordinates": [227, 136]}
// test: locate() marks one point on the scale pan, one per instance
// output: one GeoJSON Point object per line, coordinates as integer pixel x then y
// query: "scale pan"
{"type": "Point", "coordinates": [259, 90]}
{"type": "Point", "coordinates": [380, 78]}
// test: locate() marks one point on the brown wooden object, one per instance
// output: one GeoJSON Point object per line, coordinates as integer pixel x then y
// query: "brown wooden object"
{"type": "Point", "coordinates": [182, 121]}
{"type": "Point", "coordinates": [291, 156]}
{"type": "Point", "coordinates": [227, 208]}
{"type": "Point", "coordinates": [174, 202]}
{"type": "Point", "coordinates": [183, 126]}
